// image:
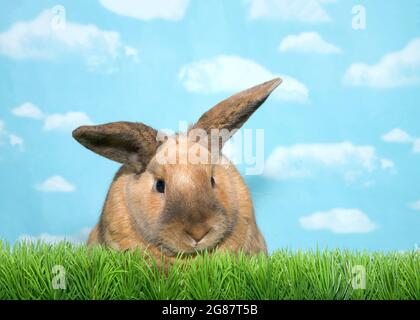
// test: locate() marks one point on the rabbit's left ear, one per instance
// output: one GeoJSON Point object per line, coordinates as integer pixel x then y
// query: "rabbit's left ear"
{"type": "Point", "coordinates": [232, 113]}
{"type": "Point", "coordinates": [125, 142]}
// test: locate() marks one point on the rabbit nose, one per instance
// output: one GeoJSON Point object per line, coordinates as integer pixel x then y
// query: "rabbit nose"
{"type": "Point", "coordinates": [198, 233]}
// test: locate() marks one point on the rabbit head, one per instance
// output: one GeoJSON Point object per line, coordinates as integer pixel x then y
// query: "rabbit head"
{"type": "Point", "coordinates": [179, 191]}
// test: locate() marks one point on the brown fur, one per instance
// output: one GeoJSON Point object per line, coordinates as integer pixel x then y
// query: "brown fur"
{"type": "Point", "coordinates": [135, 215]}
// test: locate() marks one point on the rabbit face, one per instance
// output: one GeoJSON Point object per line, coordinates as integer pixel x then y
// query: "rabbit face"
{"type": "Point", "coordinates": [182, 207]}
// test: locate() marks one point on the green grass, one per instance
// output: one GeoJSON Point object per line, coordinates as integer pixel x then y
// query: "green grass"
{"type": "Point", "coordinates": [26, 272]}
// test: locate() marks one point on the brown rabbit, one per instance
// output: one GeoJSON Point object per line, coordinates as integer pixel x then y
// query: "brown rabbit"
{"type": "Point", "coordinates": [174, 208]}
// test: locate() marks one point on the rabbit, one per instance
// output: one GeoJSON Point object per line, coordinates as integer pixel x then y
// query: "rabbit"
{"type": "Point", "coordinates": [176, 208]}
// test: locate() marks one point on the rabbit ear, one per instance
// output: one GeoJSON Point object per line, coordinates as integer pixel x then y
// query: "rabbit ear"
{"type": "Point", "coordinates": [125, 142]}
{"type": "Point", "coordinates": [232, 113]}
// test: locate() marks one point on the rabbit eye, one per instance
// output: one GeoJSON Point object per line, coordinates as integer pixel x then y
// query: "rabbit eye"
{"type": "Point", "coordinates": [213, 182]}
{"type": "Point", "coordinates": [160, 186]}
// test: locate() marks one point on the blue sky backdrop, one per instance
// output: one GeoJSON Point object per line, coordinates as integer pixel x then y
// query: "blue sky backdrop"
{"type": "Point", "coordinates": [342, 134]}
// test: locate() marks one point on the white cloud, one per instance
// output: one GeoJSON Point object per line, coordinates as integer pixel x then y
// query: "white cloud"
{"type": "Point", "coordinates": [400, 136]}
{"type": "Point", "coordinates": [306, 11]}
{"type": "Point", "coordinates": [2, 128]}
{"type": "Point", "coordinates": [67, 121]}
{"type": "Point", "coordinates": [41, 39]}
{"type": "Point", "coordinates": [148, 10]}
{"type": "Point", "coordinates": [14, 140]}
{"type": "Point", "coordinates": [369, 183]}
{"type": "Point", "coordinates": [307, 42]}
{"type": "Point", "coordinates": [401, 68]}
{"type": "Point", "coordinates": [339, 220]}
{"type": "Point", "coordinates": [28, 110]}
{"type": "Point", "coordinates": [3, 132]}
{"type": "Point", "coordinates": [55, 184]}
{"type": "Point", "coordinates": [229, 74]}
{"type": "Point", "coordinates": [387, 164]}
{"type": "Point", "coordinates": [132, 52]}
{"type": "Point", "coordinates": [57, 121]}
{"type": "Point", "coordinates": [415, 205]}
{"type": "Point", "coordinates": [307, 160]}
{"type": "Point", "coordinates": [416, 145]}
{"type": "Point", "coordinates": [397, 135]}
{"type": "Point", "coordinates": [80, 237]}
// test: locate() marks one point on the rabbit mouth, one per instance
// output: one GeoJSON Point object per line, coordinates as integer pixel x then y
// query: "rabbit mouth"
{"type": "Point", "coordinates": [190, 241]}
{"type": "Point", "coordinates": [189, 248]}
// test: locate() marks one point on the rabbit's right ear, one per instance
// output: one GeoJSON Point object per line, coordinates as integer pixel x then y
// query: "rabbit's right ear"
{"type": "Point", "coordinates": [232, 112]}
{"type": "Point", "coordinates": [125, 142]}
